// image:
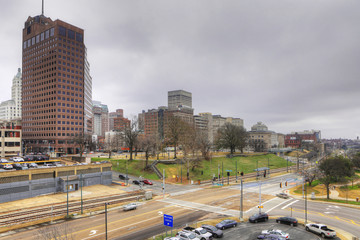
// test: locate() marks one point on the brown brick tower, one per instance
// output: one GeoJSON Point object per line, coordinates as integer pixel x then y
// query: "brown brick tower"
{"type": "Point", "coordinates": [56, 90]}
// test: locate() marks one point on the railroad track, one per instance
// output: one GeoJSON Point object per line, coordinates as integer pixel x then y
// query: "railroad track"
{"type": "Point", "coordinates": [24, 216]}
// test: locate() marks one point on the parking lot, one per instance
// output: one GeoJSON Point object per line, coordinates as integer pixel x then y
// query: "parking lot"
{"type": "Point", "coordinates": [250, 231]}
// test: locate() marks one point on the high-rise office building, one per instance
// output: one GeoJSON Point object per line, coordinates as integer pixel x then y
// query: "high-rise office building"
{"type": "Point", "coordinates": [56, 87]}
{"type": "Point", "coordinates": [100, 118]}
{"type": "Point", "coordinates": [179, 99]}
{"type": "Point", "coordinates": [11, 109]}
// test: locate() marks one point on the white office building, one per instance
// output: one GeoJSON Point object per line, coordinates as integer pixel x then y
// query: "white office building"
{"type": "Point", "coordinates": [11, 109]}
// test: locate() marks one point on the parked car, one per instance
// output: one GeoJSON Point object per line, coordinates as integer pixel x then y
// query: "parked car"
{"type": "Point", "coordinates": [19, 166]}
{"type": "Point", "coordinates": [287, 220]}
{"type": "Point", "coordinates": [217, 233]}
{"type": "Point", "coordinates": [148, 182]}
{"type": "Point", "coordinates": [227, 223]}
{"type": "Point", "coordinates": [271, 237]}
{"type": "Point", "coordinates": [259, 217]}
{"type": "Point", "coordinates": [171, 238]}
{"type": "Point", "coordinates": [320, 229]}
{"type": "Point", "coordinates": [33, 165]}
{"type": "Point", "coordinates": [3, 160]}
{"type": "Point", "coordinates": [30, 158]}
{"type": "Point", "coordinates": [282, 195]}
{"type": "Point", "coordinates": [276, 232]}
{"type": "Point", "coordinates": [8, 167]}
{"type": "Point", "coordinates": [200, 233]}
{"type": "Point", "coordinates": [185, 235]}
{"type": "Point", "coordinates": [17, 159]}
{"type": "Point", "coordinates": [130, 206]}
{"type": "Point", "coordinates": [123, 177]}
{"type": "Point", "coordinates": [136, 182]}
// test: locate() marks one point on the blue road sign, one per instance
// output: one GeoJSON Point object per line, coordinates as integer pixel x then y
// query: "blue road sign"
{"type": "Point", "coordinates": [168, 220]}
{"type": "Point", "coordinates": [229, 170]}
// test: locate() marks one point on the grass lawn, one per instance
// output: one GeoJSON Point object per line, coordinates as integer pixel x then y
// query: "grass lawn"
{"type": "Point", "coordinates": [205, 172]}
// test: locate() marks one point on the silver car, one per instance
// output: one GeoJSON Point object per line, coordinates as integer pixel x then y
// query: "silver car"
{"type": "Point", "coordinates": [130, 206]}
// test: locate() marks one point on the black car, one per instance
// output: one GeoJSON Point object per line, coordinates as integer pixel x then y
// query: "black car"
{"type": "Point", "coordinates": [217, 233]}
{"type": "Point", "coordinates": [259, 217]}
{"type": "Point", "coordinates": [17, 166]}
{"type": "Point", "coordinates": [287, 220]}
{"type": "Point", "coordinates": [30, 158]}
{"type": "Point", "coordinates": [123, 177]}
{"type": "Point", "coordinates": [136, 182]}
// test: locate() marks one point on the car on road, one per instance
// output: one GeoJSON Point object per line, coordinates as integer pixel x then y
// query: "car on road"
{"type": "Point", "coordinates": [130, 206]}
{"type": "Point", "coordinates": [287, 220]}
{"type": "Point", "coordinates": [17, 159]}
{"type": "Point", "coordinates": [147, 182]}
{"type": "Point", "coordinates": [227, 223]}
{"type": "Point", "coordinates": [282, 195]}
{"type": "Point", "coordinates": [217, 233]}
{"type": "Point", "coordinates": [123, 177]}
{"type": "Point", "coordinates": [8, 167]}
{"type": "Point", "coordinates": [136, 182]}
{"type": "Point", "coordinates": [3, 160]}
{"type": "Point", "coordinates": [186, 235]}
{"type": "Point", "coordinates": [33, 165]}
{"type": "Point", "coordinates": [259, 217]}
{"type": "Point", "coordinates": [271, 237]}
{"type": "Point", "coordinates": [320, 229]}
{"type": "Point", "coordinates": [171, 238]}
{"type": "Point", "coordinates": [276, 232]}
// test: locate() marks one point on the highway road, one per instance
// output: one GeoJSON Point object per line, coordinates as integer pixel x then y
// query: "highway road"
{"type": "Point", "coordinates": [191, 203]}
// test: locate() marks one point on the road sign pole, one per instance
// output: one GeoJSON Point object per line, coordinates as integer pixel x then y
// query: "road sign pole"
{"type": "Point", "coordinates": [305, 204]}
{"type": "Point", "coordinates": [236, 169]}
{"type": "Point", "coordinates": [241, 202]}
{"type": "Point", "coordinates": [222, 177]}
{"type": "Point", "coordinates": [260, 196]}
{"type": "Point", "coordinates": [164, 183]}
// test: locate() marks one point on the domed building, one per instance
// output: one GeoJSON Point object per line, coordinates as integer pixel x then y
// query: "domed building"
{"type": "Point", "coordinates": [261, 139]}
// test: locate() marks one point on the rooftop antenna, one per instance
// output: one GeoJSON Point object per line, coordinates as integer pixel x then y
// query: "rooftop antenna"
{"type": "Point", "coordinates": [42, 9]}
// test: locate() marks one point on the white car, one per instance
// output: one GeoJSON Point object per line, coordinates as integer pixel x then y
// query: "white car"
{"type": "Point", "coordinates": [18, 159]}
{"type": "Point", "coordinates": [3, 160]}
{"type": "Point", "coordinates": [320, 229]}
{"type": "Point", "coordinates": [276, 232]}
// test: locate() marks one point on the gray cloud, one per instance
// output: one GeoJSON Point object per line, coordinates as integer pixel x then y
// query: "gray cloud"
{"type": "Point", "coordinates": [290, 64]}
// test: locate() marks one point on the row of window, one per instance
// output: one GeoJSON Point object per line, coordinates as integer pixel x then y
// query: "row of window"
{"type": "Point", "coordinates": [70, 34]}
{"type": "Point", "coordinates": [35, 51]}
{"type": "Point", "coordinates": [26, 135]}
{"type": "Point", "coordinates": [39, 38]}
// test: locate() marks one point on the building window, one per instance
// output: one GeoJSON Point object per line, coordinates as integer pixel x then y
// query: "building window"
{"type": "Point", "coordinates": [71, 34]}
{"type": "Point", "coordinates": [62, 31]}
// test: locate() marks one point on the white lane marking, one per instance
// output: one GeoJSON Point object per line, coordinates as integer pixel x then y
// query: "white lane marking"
{"type": "Point", "coordinates": [262, 204]}
{"type": "Point", "coordinates": [290, 204]}
{"type": "Point", "coordinates": [328, 212]}
{"type": "Point", "coordinates": [277, 206]}
{"type": "Point", "coordinates": [92, 232]}
{"type": "Point", "coordinates": [126, 226]}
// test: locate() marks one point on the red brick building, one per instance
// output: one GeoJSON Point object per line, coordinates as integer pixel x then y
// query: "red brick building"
{"type": "Point", "coordinates": [296, 139]}
{"type": "Point", "coordinates": [56, 88]}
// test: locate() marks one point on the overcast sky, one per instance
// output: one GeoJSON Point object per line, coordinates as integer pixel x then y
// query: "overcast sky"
{"type": "Point", "coordinates": [293, 65]}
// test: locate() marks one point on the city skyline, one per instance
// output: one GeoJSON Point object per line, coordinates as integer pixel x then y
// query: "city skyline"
{"type": "Point", "coordinates": [289, 65]}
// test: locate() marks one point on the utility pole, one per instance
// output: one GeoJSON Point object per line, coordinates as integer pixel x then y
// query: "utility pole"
{"type": "Point", "coordinates": [164, 183]}
{"type": "Point", "coordinates": [222, 177]}
{"type": "Point", "coordinates": [305, 204]}
{"type": "Point", "coordinates": [126, 178]}
{"type": "Point", "coordinates": [260, 196]}
{"type": "Point", "coordinates": [106, 236]}
{"type": "Point", "coordinates": [181, 171]}
{"type": "Point", "coordinates": [268, 166]}
{"type": "Point", "coordinates": [236, 169]}
{"type": "Point", "coordinates": [81, 185]}
{"type": "Point", "coordinates": [67, 196]}
{"type": "Point", "coordinates": [219, 172]}
{"type": "Point", "coordinates": [241, 202]}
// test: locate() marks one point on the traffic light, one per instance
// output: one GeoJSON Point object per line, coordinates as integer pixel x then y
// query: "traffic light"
{"type": "Point", "coordinates": [265, 173]}
{"type": "Point", "coordinates": [286, 184]}
{"type": "Point", "coordinates": [242, 173]}
{"type": "Point", "coordinates": [228, 173]}
{"type": "Point", "coordinates": [280, 185]}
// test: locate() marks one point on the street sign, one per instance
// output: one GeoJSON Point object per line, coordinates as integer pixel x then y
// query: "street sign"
{"type": "Point", "coordinates": [229, 170]}
{"type": "Point", "coordinates": [168, 220]}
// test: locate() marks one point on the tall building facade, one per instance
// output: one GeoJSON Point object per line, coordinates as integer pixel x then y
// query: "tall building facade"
{"type": "Point", "coordinates": [100, 118]}
{"type": "Point", "coordinates": [55, 81]}
{"type": "Point", "coordinates": [119, 113]}
{"type": "Point", "coordinates": [179, 99]}
{"type": "Point", "coordinates": [11, 109]}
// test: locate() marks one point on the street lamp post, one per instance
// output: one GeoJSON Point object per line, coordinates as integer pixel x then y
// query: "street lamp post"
{"type": "Point", "coordinates": [241, 202]}
{"type": "Point", "coordinates": [106, 236]}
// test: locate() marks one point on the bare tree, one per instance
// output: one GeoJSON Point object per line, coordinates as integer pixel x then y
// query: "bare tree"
{"type": "Point", "coordinates": [148, 145]}
{"type": "Point", "coordinates": [56, 232]}
{"type": "Point", "coordinates": [311, 174]}
{"type": "Point", "coordinates": [81, 140]}
{"type": "Point", "coordinates": [130, 135]}
{"type": "Point", "coordinates": [231, 137]}
{"type": "Point", "coordinates": [174, 131]}
{"type": "Point", "coordinates": [204, 145]}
